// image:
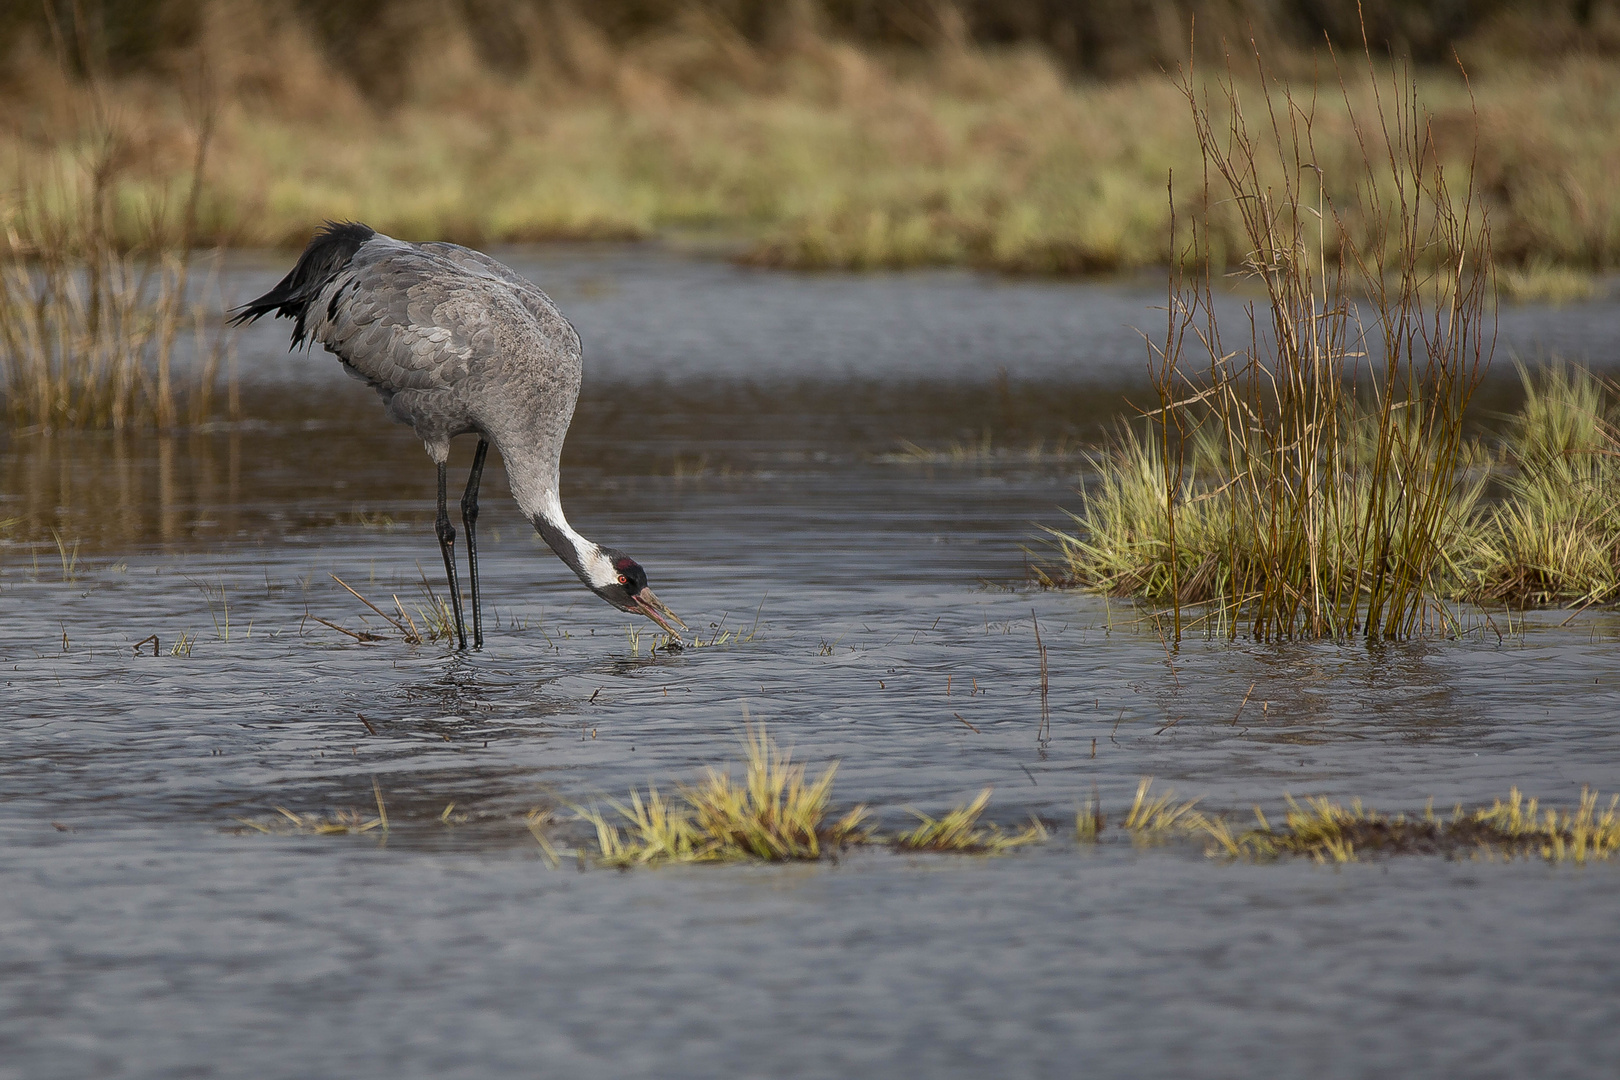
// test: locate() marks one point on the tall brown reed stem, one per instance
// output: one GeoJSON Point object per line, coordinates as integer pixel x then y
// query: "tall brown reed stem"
{"type": "Point", "coordinates": [88, 327]}
{"type": "Point", "coordinates": [1328, 535]}
{"type": "Point", "coordinates": [1427, 269]}
{"type": "Point", "coordinates": [1172, 433]}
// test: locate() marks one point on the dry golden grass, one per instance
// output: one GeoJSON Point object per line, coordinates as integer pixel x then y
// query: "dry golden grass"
{"type": "Point", "coordinates": [774, 814]}
{"type": "Point", "coordinates": [806, 151]}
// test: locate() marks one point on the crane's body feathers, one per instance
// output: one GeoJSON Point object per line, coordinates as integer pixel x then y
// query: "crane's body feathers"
{"type": "Point", "coordinates": [454, 343]}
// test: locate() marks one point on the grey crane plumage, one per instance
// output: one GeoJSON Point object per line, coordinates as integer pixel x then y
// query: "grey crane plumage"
{"type": "Point", "coordinates": [456, 343]}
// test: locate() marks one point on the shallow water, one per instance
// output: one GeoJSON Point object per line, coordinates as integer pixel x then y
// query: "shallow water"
{"type": "Point", "coordinates": [741, 435]}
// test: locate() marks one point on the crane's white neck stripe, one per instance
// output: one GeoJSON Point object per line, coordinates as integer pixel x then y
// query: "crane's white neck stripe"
{"type": "Point", "coordinates": [581, 555]}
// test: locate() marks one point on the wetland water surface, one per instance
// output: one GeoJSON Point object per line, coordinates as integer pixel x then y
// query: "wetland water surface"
{"type": "Point", "coordinates": [740, 435]}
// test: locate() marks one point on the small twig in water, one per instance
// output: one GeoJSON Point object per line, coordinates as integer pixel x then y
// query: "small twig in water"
{"type": "Point", "coordinates": [415, 636]}
{"type": "Point", "coordinates": [970, 727]}
{"type": "Point", "coordinates": [1576, 612]}
{"type": "Point", "coordinates": [358, 635]}
{"type": "Point", "coordinates": [395, 623]}
{"type": "Point", "coordinates": [1044, 732]}
{"type": "Point", "coordinates": [382, 811]}
{"type": "Point", "coordinates": [752, 630]}
{"type": "Point", "coordinates": [1169, 662]}
{"type": "Point", "coordinates": [1244, 702]}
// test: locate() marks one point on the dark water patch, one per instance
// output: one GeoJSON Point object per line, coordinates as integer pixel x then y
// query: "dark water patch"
{"type": "Point", "coordinates": [147, 937]}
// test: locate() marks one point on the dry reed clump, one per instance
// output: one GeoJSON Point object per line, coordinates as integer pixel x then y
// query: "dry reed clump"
{"type": "Point", "coordinates": [1308, 482]}
{"type": "Point", "coordinates": [773, 815]}
{"type": "Point", "coordinates": [1331, 832]}
{"type": "Point", "coordinates": [102, 324]}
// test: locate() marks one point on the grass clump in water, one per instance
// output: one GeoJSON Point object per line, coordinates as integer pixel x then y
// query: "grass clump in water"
{"type": "Point", "coordinates": [1089, 822]}
{"type": "Point", "coordinates": [1544, 282]}
{"type": "Point", "coordinates": [1554, 537]}
{"type": "Point", "coordinates": [959, 832]}
{"type": "Point", "coordinates": [1327, 831]}
{"type": "Point", "coordinates": [775, 814]}
{"type": "Point", "coordinates": [1551, 534]}
{"type": "Point", "coordinates": [655, 830]}
{"type": "Point", "coordinates": [1157, 819]}
{"type": "Point", "coordinates": [1556, 835]}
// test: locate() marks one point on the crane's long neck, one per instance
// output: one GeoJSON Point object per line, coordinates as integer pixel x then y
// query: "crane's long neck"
{"type": "Point", "coordinates": [541, 505]}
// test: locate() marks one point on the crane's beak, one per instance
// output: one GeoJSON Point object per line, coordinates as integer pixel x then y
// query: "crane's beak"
{"type": "Point", "coordinates": [654, 609]}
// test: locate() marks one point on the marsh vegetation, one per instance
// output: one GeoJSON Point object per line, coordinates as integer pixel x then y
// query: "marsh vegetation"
{"type": "Point", "coordinates": [1515, 827]}
{"type": "Point", "coordinates": [1526, 517]}
{"type": "Point", "coordinates": [775, 813]}
{"type": "Point", "coordinates": [1326, 478]}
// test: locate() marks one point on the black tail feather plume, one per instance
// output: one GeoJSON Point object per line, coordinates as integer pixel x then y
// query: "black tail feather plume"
{"type": "Point", "coordinates": [328, 252]}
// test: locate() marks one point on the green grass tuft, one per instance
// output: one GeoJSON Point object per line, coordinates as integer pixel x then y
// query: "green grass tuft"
{"type": "Point", "coordinates": [774, 814]}
{"type": "Point", "coordinates": [1554, 536]}
{"type": "Point", "coordinates": [1157, 819]}
{"type": "Point", "coordinates": [959, 832]}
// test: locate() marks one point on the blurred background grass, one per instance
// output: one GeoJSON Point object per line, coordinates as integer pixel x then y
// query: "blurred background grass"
{"type": "Point", "coordinates": [1021, 135]}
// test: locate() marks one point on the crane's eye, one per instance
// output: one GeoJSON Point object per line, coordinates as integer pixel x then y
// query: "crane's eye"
{"type": "Point", "coordinates": [623, 580]}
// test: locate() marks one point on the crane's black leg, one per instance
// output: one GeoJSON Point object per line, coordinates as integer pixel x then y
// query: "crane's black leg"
{"type": "Point", "coordinates": [447, 542]}
{"type": "Point", "coordinates": [469, 518]}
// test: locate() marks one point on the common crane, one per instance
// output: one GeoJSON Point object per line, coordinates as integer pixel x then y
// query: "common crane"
{"type": "Point", "coordinates": [456, 343]}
